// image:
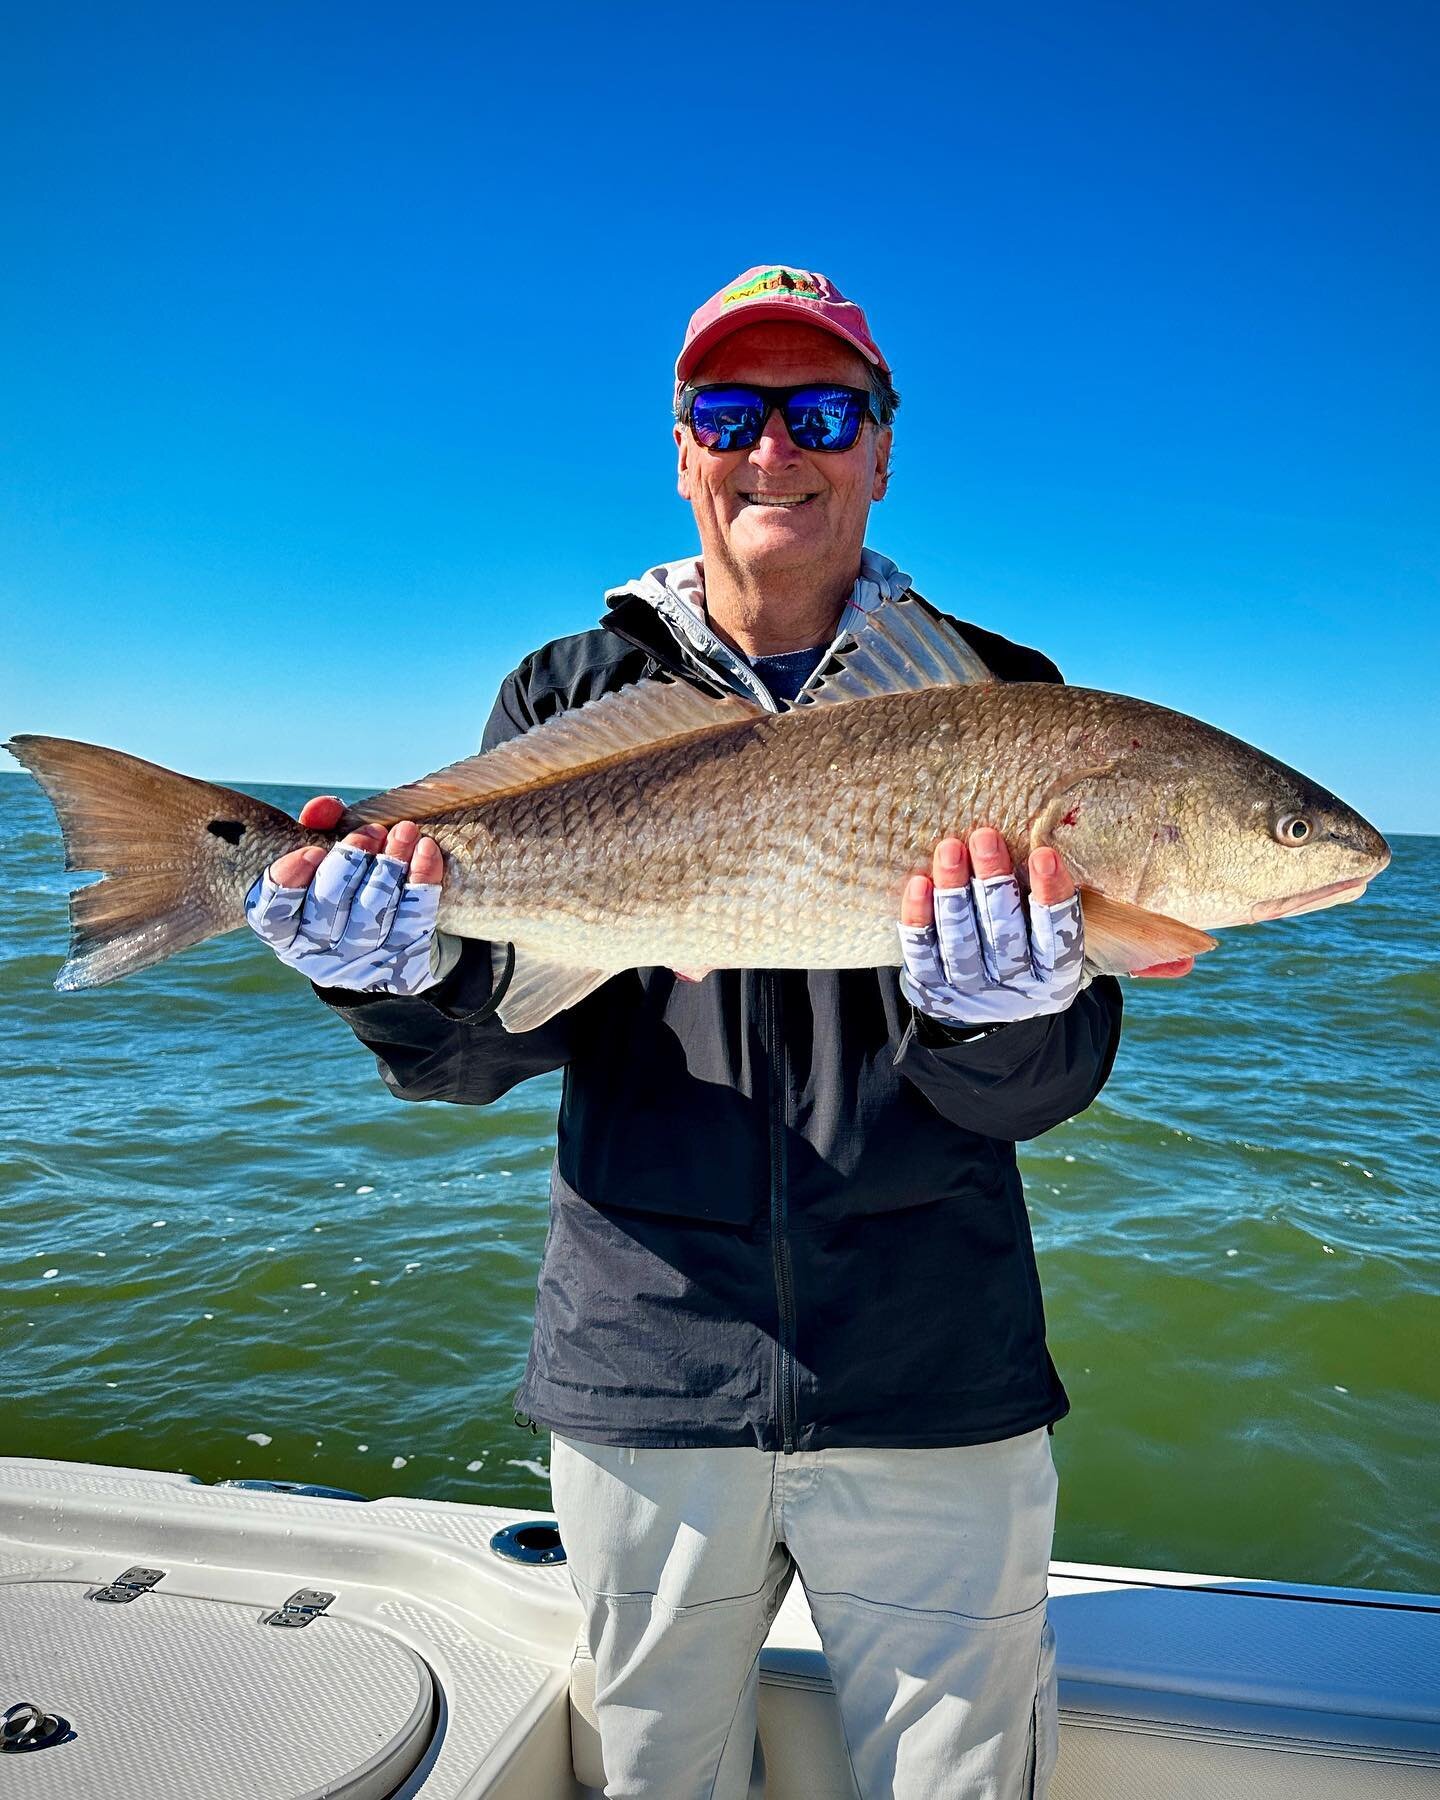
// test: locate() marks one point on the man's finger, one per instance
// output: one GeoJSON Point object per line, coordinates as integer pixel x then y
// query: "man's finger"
{"type": "Point", "coordinates": [274, 912]}
{"type": "Point", "coordinates": [1050, 880]}
{"type": "Point", "coordinates": [322, 813]}
{"type": "Point", "coordinates": [957, 933]}
{"type": "Point", "coordinates": [415, 915]}
{"type": "Point", "coordinates": [917, 903]}
{"type": "Point", "coordinates": [1168, 971]}
{"type": "Point", "coordinates": [1004, 933]}
{"type": "Point", "coordinates": [297, 870]}
{"type": "Point", "coordinates": [373, 907]}
{"type": "Point", "coordinates": [951, 867]}
{"type": "Point", "coordinates": [428, 862]}
{"type": "Point", "coordinates": [1057, 939]}
{"type": "Point", "coordinates": [401, 840]}
{"type": "Point", "coordinates": [988, 853]}
{"type": "Point", "coordinates": [336, 882]}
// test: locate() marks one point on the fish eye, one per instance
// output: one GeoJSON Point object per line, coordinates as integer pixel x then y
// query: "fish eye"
{"type": "Point", "coordinates": [1294, 828]}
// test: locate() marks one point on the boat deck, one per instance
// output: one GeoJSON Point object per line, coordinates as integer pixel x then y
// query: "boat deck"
{"type": "Point", "coordinates": [436, 1669]}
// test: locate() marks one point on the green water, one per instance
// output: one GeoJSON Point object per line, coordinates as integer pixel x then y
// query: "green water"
{"type": "Point", "coordinates": [227, 1250]}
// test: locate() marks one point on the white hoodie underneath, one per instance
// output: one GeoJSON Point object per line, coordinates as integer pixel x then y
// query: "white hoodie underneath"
{"type": "Point", "coordinates": [677, 592]}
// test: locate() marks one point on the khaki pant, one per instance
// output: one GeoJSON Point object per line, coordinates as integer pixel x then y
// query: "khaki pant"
{"type": "Point", "coordinates": [925, 1571]}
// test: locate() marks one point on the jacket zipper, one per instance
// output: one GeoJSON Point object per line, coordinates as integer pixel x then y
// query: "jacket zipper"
{"type": "Point", "coordinates": [718, 668]}
{"type": "Point", "coordinates": [700, 652]}
{"type": "Point", "coordinates": [787, 1374]}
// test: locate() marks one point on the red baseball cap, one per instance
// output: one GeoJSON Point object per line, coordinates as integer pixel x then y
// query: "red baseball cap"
{"type": "Point", "coordinates": [773, 291]}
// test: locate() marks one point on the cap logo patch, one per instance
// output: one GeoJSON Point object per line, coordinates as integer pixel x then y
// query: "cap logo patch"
{"type": "Point", "coordinates": [775, 281]}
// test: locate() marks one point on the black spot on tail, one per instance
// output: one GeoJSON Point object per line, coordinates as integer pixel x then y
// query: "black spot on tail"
{"type": "Point", "coordinates": [230, 829]}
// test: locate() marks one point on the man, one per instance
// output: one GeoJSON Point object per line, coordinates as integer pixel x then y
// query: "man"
{"type": "Point", "coordinates": [788, 1312]}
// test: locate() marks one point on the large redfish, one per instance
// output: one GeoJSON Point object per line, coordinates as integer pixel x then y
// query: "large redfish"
{"type": "Point", "coordinates": [661, 826]}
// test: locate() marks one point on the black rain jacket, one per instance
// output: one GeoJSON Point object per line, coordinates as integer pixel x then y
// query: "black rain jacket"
{"type": "Point", "coordinates": [784, 1209]}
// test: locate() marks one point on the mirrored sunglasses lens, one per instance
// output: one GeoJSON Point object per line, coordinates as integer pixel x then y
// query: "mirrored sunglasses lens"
{"type": "Point", "coordinates": [727, 418]}
{"type": "Point", "coordinates": [824, 418]}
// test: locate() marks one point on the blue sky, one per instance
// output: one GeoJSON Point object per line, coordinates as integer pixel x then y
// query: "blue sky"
{"type": "Point", "coordinates": [297, 300]}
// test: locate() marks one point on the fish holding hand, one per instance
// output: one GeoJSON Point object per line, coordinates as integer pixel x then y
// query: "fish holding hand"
{"type": "Point", "coordinates": [659, 826]}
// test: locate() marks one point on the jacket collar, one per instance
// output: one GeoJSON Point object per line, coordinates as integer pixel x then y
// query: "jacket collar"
{"type": "Point", "coordinates": [663, 612]}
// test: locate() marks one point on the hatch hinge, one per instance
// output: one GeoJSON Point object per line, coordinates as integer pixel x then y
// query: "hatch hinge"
{"type": "Point", "coordinates": [303, 1605]}
{"type": "Point", "coordinates": [127, 1586]}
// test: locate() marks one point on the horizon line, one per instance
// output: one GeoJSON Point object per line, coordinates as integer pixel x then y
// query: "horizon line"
{"type": "Point", "coordinates": [365, 790]}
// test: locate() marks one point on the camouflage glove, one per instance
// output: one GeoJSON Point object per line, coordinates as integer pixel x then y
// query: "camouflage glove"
{"type": "Point", "coordinates": [359, 925]}
{"type": "Point", "coordinates": [979, 965]}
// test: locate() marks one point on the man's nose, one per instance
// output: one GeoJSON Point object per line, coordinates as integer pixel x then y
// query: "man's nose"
{"type": "Point", "coordinates": [774, 448]}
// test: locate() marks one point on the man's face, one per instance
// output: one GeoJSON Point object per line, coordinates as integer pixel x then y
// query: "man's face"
{"type": "Point", "coordinates": [774, 507]}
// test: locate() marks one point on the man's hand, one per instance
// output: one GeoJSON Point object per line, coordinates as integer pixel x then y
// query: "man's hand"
{"type": "Point", "coordinates": [970, 958]}
{"type": "Point", "coordinates": [360, 915]}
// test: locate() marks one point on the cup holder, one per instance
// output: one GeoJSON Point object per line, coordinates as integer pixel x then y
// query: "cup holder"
{"type": "Point", "coordinates": [532, 1541]}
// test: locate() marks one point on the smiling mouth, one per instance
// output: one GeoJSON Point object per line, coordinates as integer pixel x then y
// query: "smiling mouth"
{"type": "Point", "coordinates": [780, 500]}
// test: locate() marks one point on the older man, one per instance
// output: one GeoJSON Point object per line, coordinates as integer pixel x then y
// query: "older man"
{"type": "Point", "coordinates": [788, 1311]}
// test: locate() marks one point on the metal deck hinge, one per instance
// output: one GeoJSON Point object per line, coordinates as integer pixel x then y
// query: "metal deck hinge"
{"type": "Point", "coordinates": [302, 1606]}
{"type": "Point", "coordinates": [127, 1586]}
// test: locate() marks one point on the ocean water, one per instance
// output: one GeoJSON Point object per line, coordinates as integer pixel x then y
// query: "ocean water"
{"type": "Point", "coordinates": [227, 1250]}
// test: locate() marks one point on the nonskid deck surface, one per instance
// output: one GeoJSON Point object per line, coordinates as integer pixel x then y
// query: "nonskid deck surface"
{"type": "Point", "coordinates": [436, 1669]}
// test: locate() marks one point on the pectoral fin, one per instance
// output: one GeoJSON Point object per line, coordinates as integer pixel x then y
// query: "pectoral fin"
{"type": "Point", "coordinates": [1121, 939]}
{"type": "Point", "coordinates": [539, 989]}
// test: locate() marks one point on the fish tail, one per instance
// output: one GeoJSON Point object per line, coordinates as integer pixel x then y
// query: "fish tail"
{"type": "Point", "coordinates": [177, 856]}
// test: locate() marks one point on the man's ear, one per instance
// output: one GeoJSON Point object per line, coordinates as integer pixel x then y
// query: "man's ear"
{"type": "Point", "coordinates": [884, 438]}
{"type": "Point", "coordinates": [682, 467]}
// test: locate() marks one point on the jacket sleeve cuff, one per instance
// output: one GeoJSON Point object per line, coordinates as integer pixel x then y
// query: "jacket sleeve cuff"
{"type": "Point", "coordinates": [940, 1034]}
{"type": "Point", "coordinates": [468, 994]}
{"type": "Point", "coordinates": [990, 1050]}
{"type": "Point", "coordinates": [471, 992]}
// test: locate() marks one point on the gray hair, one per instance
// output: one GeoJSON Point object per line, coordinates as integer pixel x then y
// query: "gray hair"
{"type": "Point", "coordinates": [883, 391]}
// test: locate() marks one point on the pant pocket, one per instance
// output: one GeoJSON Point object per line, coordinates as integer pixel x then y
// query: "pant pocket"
{"type": "Point", "coordinates": [1045, 1720]}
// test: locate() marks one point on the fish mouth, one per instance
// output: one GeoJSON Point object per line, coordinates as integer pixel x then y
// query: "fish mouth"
{"type": "Point", "coordinates": [1334, 893]}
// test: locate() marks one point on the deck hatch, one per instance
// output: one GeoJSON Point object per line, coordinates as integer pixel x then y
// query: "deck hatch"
{"type": "Point", "coordinates": [190, 1696]}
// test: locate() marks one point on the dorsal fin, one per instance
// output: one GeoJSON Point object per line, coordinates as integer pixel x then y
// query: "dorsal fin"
{"type": "Point", "coordinates": [901, 646]}
{"type": "Point", "coordinates": [609, 729]}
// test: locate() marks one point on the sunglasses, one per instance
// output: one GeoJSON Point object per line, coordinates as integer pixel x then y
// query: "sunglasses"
{"type": "Point", "coordinates": [817, 416]}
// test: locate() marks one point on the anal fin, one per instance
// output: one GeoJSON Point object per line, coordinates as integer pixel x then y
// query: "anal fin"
{"type": "Point", "coordinates": [1121, 939]}
{"type": "Point", "coordinates": [539, 989]}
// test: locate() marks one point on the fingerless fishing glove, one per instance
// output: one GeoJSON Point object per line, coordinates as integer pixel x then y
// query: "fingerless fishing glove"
{"type": "Point", "coordinates": [359, 925]}
{"type": "Point", "coordinates": [979, 964]}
